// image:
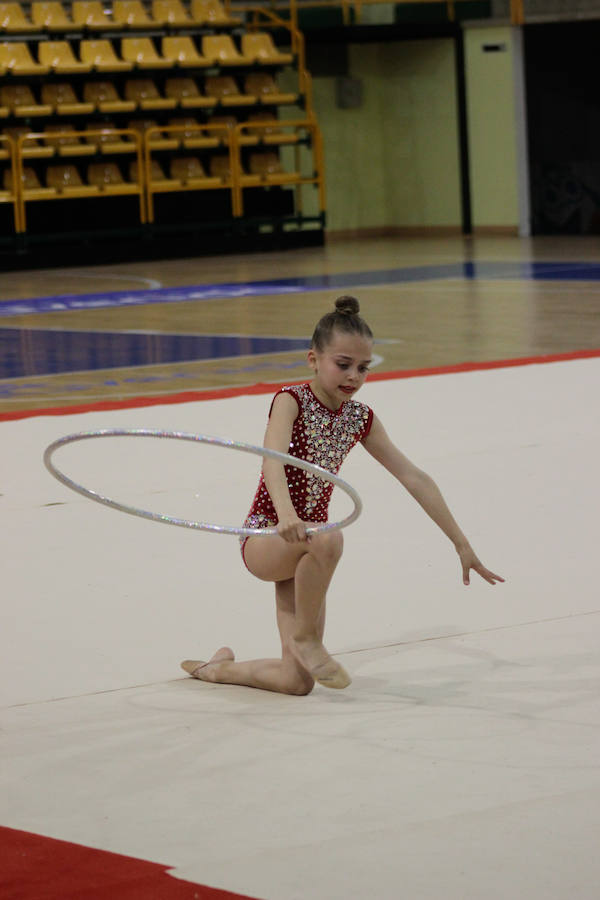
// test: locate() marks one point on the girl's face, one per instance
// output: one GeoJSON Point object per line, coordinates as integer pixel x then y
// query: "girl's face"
{"type": "Point", "coordinates": [340, 368]}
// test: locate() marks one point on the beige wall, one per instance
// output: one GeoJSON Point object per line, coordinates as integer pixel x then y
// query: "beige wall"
{"type": "Point", "coordinates": [492, 127]}
{"type": "Point", "coordinates": [393, 161]}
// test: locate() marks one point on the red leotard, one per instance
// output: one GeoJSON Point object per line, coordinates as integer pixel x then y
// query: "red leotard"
{"type": "Point", "coordinates": [322, 436]}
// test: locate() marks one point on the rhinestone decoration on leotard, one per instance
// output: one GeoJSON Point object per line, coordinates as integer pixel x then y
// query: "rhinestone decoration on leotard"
{"type": "Point", "coordinates": [321, 436]}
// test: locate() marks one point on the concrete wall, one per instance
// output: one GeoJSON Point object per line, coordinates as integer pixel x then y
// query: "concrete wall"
{"type": "Point", "coordinates": [394, 160]}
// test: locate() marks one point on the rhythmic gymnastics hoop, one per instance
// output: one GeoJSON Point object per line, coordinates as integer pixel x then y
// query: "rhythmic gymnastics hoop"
{"type": "Point", "coordinates": [200, 439]}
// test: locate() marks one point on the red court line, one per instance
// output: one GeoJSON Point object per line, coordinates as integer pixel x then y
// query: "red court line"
{"type": "Point", "coordinates": [42, 868]}
{"type": "Point", "coordinates": [224, 393]}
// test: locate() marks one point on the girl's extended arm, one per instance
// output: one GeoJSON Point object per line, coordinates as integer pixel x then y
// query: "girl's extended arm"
{"type": "Point", "coordinates": [277, 437]}
{"type": "Point", "coordinates": [425, 491]}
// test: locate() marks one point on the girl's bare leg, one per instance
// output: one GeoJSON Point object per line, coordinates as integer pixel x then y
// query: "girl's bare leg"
{"type": "Point", "coordinates": [285, 675]}
{"type": "Point", "coordinates": [302, 573]}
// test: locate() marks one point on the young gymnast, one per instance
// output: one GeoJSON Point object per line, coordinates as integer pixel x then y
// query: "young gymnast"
{"type": "Point", "coordinates": [319, 422]}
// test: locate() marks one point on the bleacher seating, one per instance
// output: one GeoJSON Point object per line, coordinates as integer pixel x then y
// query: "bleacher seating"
{"type": "Point", "coordinates": [107, 177]}
{"type": "Point", "coordinates": [212, 12]}
{"type": "Point", "coordinates": [185, 91]}
{"type": "Point", "coordinates": [59, 57]}
{"type": "Point", "coordinates": [173, 13]}
{"type": "Point", "coordinates": [51, 16]}
{"type": "Point", "coordinates": [20, 101]}
{"type": "Point", "coordinates": [13, 19]}
{"type": "Point", "coordinates": [102, 57]}
{"type": "Point", "coordinates": [190, 172]}
{"type": "Point", "coordinates": [259, 47]}
{"type": "Point", "coordinates": [63, 100]}
{"type": "Point", "coordinates": [221, 50]}
{"type": "Point", "coordinates": [98, 66]}
{"type": "Point", "coordinates": [182, 51]}
{"type": "Point", "coordinates": [224, 88]}
{"type": "Point", "coordinates": [144, 93]}
{"type": "Point", "coordinates": [64, 144]}
{"type": "Point", "coordinates": [141, 52]}
{"type": "Point", "coordinates": [91, 15]}
{"type": "Point", "coordinates": [103, 95]}
{"type": "Point", "coordinates": [16, 58]}
{"type": "Point", "coordinates": [191, 135]}
{"type": "Point", "coordinates": [263, 87]}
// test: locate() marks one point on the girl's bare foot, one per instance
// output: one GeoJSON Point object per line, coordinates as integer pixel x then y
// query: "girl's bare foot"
{"type": "Point", "coordinates": [197, 668]}
{"type": "Point", "coordinates": [323, 667]}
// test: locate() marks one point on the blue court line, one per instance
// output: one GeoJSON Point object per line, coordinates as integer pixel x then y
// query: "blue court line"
{"type": "Point", "coordinates": [27, 352]}
{"type": "Point", "coordinates": [546, 271]}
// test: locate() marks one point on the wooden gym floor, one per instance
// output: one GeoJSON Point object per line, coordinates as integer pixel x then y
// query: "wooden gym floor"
{"type": "Point", "coordinates": [120, 332]}
{"type": "Point", "coordinates": [462, 762]}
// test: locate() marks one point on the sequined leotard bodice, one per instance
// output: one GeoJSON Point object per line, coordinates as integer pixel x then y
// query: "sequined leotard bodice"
{"type": "Point", "coordinates": [319, 435]}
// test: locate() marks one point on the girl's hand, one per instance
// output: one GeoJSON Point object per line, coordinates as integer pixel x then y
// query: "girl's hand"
{"type": "Point", "coordinates": [470, 561]}
{"type": "Point", "coordinates": [292, 529]}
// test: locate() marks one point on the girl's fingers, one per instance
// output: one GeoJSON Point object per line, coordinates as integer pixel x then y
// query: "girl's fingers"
{"type": "Point", "coordinates": [490, 577]}
{"type": "Point", "coordinates": [481, 570]}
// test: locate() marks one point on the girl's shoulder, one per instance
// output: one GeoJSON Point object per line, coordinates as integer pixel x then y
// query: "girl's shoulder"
{"type": "Point", "coordinates": [294, 391]}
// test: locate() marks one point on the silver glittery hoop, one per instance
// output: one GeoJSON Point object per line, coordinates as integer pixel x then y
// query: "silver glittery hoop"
{"type": "Point", "coordinates": [200, 439]}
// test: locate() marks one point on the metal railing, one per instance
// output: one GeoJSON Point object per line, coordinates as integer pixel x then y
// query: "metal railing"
{"type": "Point", "coordinates": [232, 140]}
{"type": "Point", "coordinates": [25, 194]}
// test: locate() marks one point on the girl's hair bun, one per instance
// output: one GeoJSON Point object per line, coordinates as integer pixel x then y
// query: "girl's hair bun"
{"type": "Point", "coordinates": [347, 306]}
{"type": "Point", "coordinates": [344, 318]}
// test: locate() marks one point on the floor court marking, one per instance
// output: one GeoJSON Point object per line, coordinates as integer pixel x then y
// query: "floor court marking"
{"type": "Point", "coordinates": [269, 387]}
{"type": "Point", "coordinates": [570, 271]}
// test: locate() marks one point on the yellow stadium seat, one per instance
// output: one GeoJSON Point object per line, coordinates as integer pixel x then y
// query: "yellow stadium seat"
{"type": "Point", "coordinates": [211, 12]}
{"type": "Point", "coordinates": [102, 57]}
{"type": "Point", "coordinates": [103, 95]}
{"type": "Point", "coordinates": [145, 94]}
{"type": "Point", "coordinates": [172, 12]}
{"type": "Point", "coordinates": [268, 167]}
{"type": "Point", "coordinates": [157, 140]}
{"type": "Point", "coordinates": [190, 172]}
{"type": "Point", "coordinates": [182, 51]}
{"type": "Point", "coordinates": [32, 148]}
{"type": "Point", "coordinates": [158, 179]}
{"type": "Point", "coordinates": [91, 14]}
{"type": "Point", "coordinates": [66, 144]}
{"type": "Point", "coordinates": [192, 138]}
{"type": "Point", "coordinates": [263, 87]}
{"type": "Point", "coordinates": [59, 56]}
{"type": "Point", "coordinates": [32, 189]}
{"type": "Point", "coordinates": [142, 53]}
{"type": "Point", "coordinates": [271, 131]}
{"type": "Point", "coordinates": [246, 140]}
{"type": "Point", "coordinates": [220, 167]}
{"type": "Point", "coordinates": [131, 14]}
{"type": "Point", "coordinates": [107, 141]}
{"type": "Point", "coordinates": [226, 90]}
{"type": "Point", "coordinates": [20, 101]}
{"type": "Point", "coordinates": [259, 47]}
{"type": "Point", "coordinates": [16, 58]}
{"type": "Point", "coordinates": [185, 91]}
{"type": "Point", "coordinates": [64, 101]}
{"type": "Point", "coordinates": [67, 182]}
{"type": "Point", "coordinates": [7, 181]}
{"type": "Point", "coordinates": [107, 177]}
{"type": "Point", "coordinates": [51, 16]}
{"type": "Point", "coordinates": [220, 49]}
{"type": "Point", "coordinates": [13, 20]}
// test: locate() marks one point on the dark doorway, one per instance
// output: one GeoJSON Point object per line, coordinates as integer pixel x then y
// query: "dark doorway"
{"type": "Point", "coordinates": [563, 115]}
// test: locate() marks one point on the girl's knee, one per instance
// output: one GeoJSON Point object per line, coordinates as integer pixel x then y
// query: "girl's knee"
{"type": "Point", "coordinates": [327, 546]}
